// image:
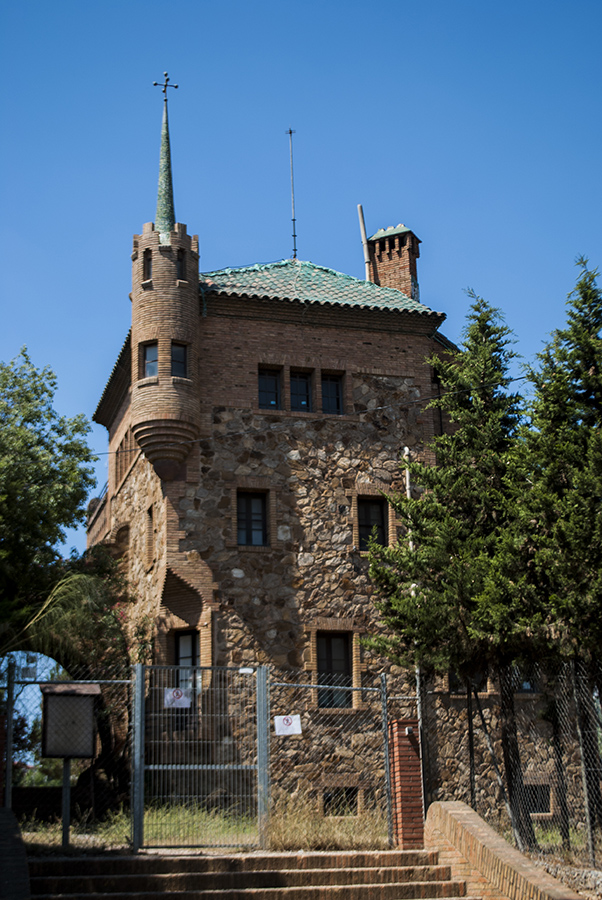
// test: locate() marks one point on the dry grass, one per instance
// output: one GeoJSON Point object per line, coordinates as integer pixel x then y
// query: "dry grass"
{"type": "Point", "coordinates": [297, 823]}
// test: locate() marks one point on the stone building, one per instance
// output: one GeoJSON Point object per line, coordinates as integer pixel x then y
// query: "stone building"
{"type": "Point", "coordinates": [256, 415]}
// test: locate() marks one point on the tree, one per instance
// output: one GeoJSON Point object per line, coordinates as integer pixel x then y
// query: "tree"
{"type": "Point", "coordinates": [45, 476]}
{"type": "Point", "coordinates": [438, 589]}
{"type": "Point", "coordinates": [561, 520]}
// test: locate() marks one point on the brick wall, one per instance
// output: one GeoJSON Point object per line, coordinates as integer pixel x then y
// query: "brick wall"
{"type": "Point", "coordinates": [491, 868]}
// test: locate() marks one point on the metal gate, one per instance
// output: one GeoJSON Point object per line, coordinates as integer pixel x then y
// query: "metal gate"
{"type": "Point", "coordinates": [200, 756]}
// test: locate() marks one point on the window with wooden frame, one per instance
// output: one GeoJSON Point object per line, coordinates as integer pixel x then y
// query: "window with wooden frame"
{"type": "Point", "coordinates": [149, 360]}
{"type": "Point", "coordinates": [301, 400]}
{"type": "Point", "coordinates": [269, 388]}
{"type": "Point", "coordinates": [333, 650]}
{"type": "Point", "coordinates": [332, 394]}
{"type": "Point", "coordinates": [371, 513]}
{"type": "Point", "coordinates": [179, 353]}
{"type": "Point", "coordinates": [252, 519]}
{"type": "Point", "coordinates": [372, 520]}
{"type": "Point", "coordinates": [333, 656]}
{"type": "Point", "coordinates": [186, 655]}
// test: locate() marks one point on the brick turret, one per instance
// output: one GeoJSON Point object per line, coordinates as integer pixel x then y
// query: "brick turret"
{"type": "Point", "coordinates": [393, 254]}
{"type": "Point", "coordinates": [165, 351]}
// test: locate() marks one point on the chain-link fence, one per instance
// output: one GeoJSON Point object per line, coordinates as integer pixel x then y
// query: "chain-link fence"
{"type": "Point", "coordinates": [213, 755]}
{"type": "Point", "coordinates": [522, 747]}
{"type": "Point", "coordinates": [329, 773]}
{"type": "Point", "coordinates": [200, 770]}
{"type": "Point", "coordinates": [88, 724]}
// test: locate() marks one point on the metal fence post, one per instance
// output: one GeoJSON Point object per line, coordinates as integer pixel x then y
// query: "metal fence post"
{"type": "Point", "coordinates": [138, 758]}
{"type": "Point", "coordinates": [263, 754]}
{"type": "Point", "coordinates": [385, 721]}
{"type": "Point", "coordinates": [10, 710]}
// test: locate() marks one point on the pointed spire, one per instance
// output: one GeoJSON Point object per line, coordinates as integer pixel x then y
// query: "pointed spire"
{"type": "Point", "coordinates": [165, 219]}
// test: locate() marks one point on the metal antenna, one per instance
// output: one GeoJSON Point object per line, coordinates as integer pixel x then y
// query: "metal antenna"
{"type": "Point", "coordinates": [290, 133]}
{"type": "Point", "coordinates": [165, 85]}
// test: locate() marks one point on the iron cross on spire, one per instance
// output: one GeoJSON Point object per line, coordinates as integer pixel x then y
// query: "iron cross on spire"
{"type": "Point", "coordinates": [165, 85]}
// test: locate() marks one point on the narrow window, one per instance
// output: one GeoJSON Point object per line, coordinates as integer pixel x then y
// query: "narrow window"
{"type": "Point", "coordinates": [186, 656]}
{"type": "Point", "coordinates": [334, 669]}
{"type": "Point", "coordinates": [147, 265]}
{"type": "Point", "coordinates": [150, 537]}
{"type": "Point", "coordinates": [178, 360]}
{"type": "Point", "coordinates": [269, 389]}
{"type": "Point", "coordinates": [252, 519]}
{"type": "Point", "coordinates": [332, 394]}
{"type": "Point", "coordinates": [150, 360]}
{"type": "Point", "coordinates": [181, 265]}
{"type": "Point", "coordinates": [372, 514]}
{"type": "Point", "coordinates": [301, 391]}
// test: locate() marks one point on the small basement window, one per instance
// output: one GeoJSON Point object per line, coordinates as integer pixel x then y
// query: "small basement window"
{"type": "Point", "coordinates": [341, 801]}
{"type": "Point", "coordinates": [537, 798]}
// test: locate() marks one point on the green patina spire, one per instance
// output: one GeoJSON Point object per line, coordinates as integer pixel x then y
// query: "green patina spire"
{"type": "Point", "coordinates": [165, 219]}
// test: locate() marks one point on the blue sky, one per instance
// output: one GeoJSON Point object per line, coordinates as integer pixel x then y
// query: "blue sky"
{"type": "Point", "coordinates": [477, 124]}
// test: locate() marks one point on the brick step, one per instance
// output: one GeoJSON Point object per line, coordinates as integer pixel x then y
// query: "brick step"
{"type": "Point", "coordinates": [364, 875]}
{"type": "Point", "coordinates": [431, 890]}
{"type": "Point", "coordinates": [230, 880]}
{"type": "Point", "coordinates": [151, 863]}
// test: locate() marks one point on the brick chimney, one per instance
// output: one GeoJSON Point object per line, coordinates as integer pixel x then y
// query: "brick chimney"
{"type": "Point", "coordinates": [393, 254]}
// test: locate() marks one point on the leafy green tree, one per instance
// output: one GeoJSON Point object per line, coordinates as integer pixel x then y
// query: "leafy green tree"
{"type": "Point", "coordinates": [45, 476]}
{"type": "Point", "coordinates": [438, 589]}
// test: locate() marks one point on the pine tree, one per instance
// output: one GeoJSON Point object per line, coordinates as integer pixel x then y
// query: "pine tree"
{"type": "Point", "coordinates": [439, 591]}
{"type": "Point", "coordinates": [563, 467]}
{"type": "Point", "coordinates": [561, 519]}
{"type": "Point", "coordinates": [432, 584]}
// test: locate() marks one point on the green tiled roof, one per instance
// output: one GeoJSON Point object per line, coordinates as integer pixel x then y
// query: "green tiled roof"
{"type": "Point", "coordinates": [390, 232]}
{"type": "Point", "coordinates": [292, 279]}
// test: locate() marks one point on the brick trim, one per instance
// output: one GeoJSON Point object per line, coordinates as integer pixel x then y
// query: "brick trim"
{"type": "Point", "coordinates": [492, 868]}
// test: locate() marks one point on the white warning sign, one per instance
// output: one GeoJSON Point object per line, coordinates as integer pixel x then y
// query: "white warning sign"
{"type": "Point", "coordinates": [177, 698]}
{"type": "Point", "coordinates": [287, 724]}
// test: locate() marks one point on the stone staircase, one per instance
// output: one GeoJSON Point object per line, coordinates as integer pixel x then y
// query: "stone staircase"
{"type": "Point", "coordinates": [387, 875]}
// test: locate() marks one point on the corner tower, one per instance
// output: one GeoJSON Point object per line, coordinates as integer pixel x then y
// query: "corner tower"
{"type": "Point", "coordinates": [165, 340]}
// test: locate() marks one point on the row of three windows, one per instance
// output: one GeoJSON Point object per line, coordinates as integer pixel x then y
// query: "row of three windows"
{"type": "Point", "coordinates": [301, 391]}
{"type": "Point", "coordinates": [150, 360]}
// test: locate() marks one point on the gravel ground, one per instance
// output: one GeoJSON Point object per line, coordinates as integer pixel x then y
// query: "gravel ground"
{"type": "Point", "coordinates": [587, 882]}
